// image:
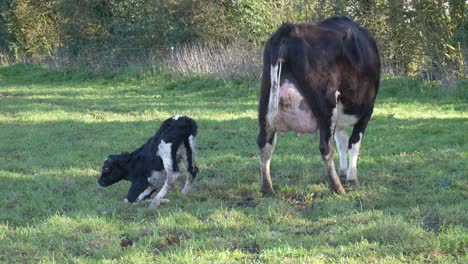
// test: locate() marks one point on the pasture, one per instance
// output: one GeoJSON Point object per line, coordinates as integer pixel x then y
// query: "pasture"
{"type": "Point", "coordinates": [56, 128]}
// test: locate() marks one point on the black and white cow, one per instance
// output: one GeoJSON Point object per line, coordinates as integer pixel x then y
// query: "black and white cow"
{"type": "Point", "coordinates": [318, 76]}
{"type": "Point", "coordinates": [155, 162]}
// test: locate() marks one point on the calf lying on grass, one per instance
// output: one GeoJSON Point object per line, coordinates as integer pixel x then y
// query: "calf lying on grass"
{"type": "Point", "coordinates": [156, 161]}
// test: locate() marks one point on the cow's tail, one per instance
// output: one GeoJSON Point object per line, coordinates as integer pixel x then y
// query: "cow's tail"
{"type": "Point", "coordinates": [275, 76]}
{"type": "Point", "coordinates": [189, 143]}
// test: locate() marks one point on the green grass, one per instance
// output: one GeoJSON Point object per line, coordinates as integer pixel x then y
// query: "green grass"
{"type": "Point", "coordinates": [56, 128]}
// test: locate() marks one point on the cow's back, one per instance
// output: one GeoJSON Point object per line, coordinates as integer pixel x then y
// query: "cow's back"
{"type": "Point", "coordinates": [359, 46]}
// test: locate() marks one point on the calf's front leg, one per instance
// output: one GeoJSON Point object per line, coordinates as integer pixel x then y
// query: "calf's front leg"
{"type": "Point", "coordinates": [137, 190]}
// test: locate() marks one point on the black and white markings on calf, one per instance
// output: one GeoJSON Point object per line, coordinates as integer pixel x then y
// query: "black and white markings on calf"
{"type": "Point", "coordinates": [156, 162]}
{"type": "Point", "coordinates": [166, 152]}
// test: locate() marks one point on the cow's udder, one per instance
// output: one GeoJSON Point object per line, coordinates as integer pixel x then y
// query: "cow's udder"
{"type": "Point", "coordinates": [294, 113]}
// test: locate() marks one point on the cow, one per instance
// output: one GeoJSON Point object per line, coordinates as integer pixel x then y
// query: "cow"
{"type": "Point", "coordinates": [324, 77]}
{"type": "Point", "coordinates": [155, 162]}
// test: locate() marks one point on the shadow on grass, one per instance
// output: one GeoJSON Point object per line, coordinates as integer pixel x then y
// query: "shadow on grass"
{"type": "Point", "coordinates": [15, 105]}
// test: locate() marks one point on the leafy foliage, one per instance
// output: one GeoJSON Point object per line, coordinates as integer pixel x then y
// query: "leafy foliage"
{"type": "Point", "coordinates": [425, 38]}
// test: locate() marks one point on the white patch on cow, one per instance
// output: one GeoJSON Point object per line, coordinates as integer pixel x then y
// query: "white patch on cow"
{"type": "Point", "coordinates": [274, 93]}
{"type": "Point", "coordinates": [126, 200]}
{"type": "Point", "coordinates": [353, 157]}
{"type": "Point", "coordinates": [265, 152]}
{"type": "Point", "coordinates": [337, 94]}
{"type": "Point", "coordinates": [265, 157]}
{"type": "Point", "coordinates": [341, 139]}
{"type": "Point", "coordinates": [332, 131]}
{"type": "Point", "coordinates": [177, 117]}
{"type": "Point", "coordinates": [344, 120]}
{"type": "Point", "coordinates": [334, 116]}
{"type": "Point", "coordinates": [333, 120]}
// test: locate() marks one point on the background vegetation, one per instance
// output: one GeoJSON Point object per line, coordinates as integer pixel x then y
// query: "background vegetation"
{"type": "Point", "coordinates": [426, 38]}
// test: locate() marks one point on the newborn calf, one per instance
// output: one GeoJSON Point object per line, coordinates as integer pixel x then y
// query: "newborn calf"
{"type": "Point", "coordinates": [156, 161]}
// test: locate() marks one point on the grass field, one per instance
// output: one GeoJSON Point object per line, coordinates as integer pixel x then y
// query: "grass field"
{"type": "Point", "coordinates": [57, 128]}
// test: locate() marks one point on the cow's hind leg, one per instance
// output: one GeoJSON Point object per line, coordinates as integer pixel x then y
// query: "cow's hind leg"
{"type": "Point", "coordinates": [266, 144]}
{"type": "Point", "coordinates": [341, 139]}
{"type": "Point", "coordinates": [326, 149]}
{"type": "Point", "coordinates": [354, 146]}
{"type": "Point", "coordinates": [167, 152]}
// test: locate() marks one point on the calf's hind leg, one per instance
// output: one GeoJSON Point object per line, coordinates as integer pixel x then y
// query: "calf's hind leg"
{"type": "Point", "coordinates": [188, 158]}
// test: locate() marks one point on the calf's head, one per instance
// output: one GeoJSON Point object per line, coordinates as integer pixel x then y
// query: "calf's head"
{"type": "Point", "coordinates": [114, 169]}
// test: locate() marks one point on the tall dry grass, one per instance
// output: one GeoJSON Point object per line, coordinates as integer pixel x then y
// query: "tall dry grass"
{"type": "Point", "coordinates": [224, 62]}
{"type": "Point", "coordinates": [220, 61]}
{"type": "Point", "coordinates": [214, 60]}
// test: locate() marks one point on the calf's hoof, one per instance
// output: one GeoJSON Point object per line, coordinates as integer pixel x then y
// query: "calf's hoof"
{"type": "Point", "coordinates": [185, 191]}
{"type": "Point", "coordinates": [155, 204]}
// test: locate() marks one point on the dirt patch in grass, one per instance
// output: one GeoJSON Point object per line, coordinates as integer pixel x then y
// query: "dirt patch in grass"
{"type": "Point", "coordinates": [126, 242]}
{"type": "Point", "coordinates": [246, 199]}
{"type": "Point", "coordinates": [172, 240]}
{"type": "Point", "coordinates": [299, 199]}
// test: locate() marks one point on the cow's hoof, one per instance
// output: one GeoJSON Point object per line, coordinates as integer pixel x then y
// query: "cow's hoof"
{"type": "Point", "coordinates": [353, 183]}
{"type": "Point", "coordinates": [342, 176]}
{"type": "Point", "coordinates": [337, 188]}
{"type": "Point", "coordinates": [267, 192]}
